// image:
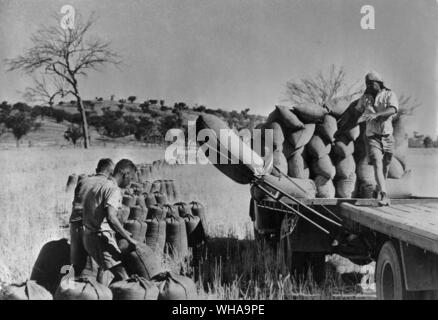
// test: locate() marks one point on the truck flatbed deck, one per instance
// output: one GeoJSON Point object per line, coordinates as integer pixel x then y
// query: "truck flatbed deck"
{"type": "Point", "coordinates": [402, 238]}
{"type": "Point", "coordinates": [413, 221]}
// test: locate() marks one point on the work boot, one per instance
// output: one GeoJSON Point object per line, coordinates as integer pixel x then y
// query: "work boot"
{"type": "Point", "coordinates": [385, 199]}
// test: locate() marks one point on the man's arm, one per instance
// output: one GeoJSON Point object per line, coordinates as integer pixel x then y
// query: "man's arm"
{"type": "Point", "coordinates": [382, 115]}
{"type": "Point", "coordinates": [392, 108]}
{"type": "Point", "coordinates": [114, 222]}
{"type": "Point", "coordinates": [386, 113]}
{"type": "Point", "coordinates": [111, 201]}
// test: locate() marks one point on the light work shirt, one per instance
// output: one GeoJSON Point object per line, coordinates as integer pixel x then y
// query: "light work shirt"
{"type": "Point", "coordinates": [95, 202]}
{"type": "Point", "coordinates": [384, 100]}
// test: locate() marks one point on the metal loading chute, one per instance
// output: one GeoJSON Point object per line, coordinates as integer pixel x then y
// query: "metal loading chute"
{"type": "Point", "coordinates": [255, 174]}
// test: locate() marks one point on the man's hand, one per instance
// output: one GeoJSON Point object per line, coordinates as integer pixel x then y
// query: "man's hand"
{"type": "Point", "coordinates": [370, 116]}
{"type": "Point", "coordinates": [133, 242]}
{"type": "Point", "coordinates": [115, 224]}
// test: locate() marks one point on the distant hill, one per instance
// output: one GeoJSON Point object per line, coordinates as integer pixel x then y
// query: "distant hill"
{"type": "Point", "coordinates": [51, 131]}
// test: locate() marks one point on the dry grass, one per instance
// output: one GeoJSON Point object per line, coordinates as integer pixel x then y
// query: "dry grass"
{"type": "Point", "coordinates": [33, 202]}
{"type": "Point", "coordinates": [34, 205]}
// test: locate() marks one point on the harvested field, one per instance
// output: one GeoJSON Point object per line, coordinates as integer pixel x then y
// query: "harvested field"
{"type": "Point", "coordinates": [34, 207]}
{"type": "Point", "coordinates": [34, 204]}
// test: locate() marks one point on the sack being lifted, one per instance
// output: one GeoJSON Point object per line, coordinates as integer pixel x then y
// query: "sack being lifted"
{"type": "Point", "coordinates": [248, 161]}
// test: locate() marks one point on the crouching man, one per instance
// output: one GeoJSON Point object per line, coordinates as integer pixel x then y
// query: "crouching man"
{"type": "Point", "coordinates": [78, 255]}
{"type": "Point", "coordinates": [100, 206]}
{"type": "Point", "coordinates": [379, 105]}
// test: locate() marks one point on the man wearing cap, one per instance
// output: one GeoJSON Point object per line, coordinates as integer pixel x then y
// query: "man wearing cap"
{"type": "Point", "coordinates": [378, 106]}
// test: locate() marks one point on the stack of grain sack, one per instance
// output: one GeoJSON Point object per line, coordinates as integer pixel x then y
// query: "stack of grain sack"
{"type": "Point", "coordinates": [152, 211]}
{"type": "Point", "coordinates": [309, 148]}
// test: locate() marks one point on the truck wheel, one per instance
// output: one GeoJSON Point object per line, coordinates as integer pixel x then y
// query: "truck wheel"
{"type": "Point", "coordinates": [389, 276]}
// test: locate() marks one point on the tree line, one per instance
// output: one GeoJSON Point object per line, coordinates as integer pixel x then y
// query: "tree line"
{"type": "Point", "coordinates": [150, 125]}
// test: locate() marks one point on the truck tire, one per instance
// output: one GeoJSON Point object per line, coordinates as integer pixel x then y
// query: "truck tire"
{"type": "Point", "coordinates": [390, 283]}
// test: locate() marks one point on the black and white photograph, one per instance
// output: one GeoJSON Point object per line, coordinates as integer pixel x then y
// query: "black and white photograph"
{"type": "Point", "coordinates": [221, 150]}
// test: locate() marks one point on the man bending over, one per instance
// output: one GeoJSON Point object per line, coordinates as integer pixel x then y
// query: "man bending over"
{"type": "Point", "coordinates": [101, 204]}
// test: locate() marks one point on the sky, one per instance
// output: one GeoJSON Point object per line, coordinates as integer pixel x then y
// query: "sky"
{"type": "Point", "coordinates": [236, 54]}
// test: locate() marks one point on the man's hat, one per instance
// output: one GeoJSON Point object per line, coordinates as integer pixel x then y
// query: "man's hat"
{"type": "Point", "coordinates": [373, 76]}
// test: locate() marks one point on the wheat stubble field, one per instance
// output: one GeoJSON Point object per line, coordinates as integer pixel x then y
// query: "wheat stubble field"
{"type": "Point", "coordinates": [34, 203]}
{"type": "Point", "coordinates": [34, 208]}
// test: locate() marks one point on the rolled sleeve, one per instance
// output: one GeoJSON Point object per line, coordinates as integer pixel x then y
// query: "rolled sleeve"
{"type": "Point", "coordinates": [392, 100]}
{"type": "Point", "coordinates": [112, 196]}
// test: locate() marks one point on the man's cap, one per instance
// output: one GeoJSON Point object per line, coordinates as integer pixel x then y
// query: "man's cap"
{"type": "Point", "coordinates": [373, 76]}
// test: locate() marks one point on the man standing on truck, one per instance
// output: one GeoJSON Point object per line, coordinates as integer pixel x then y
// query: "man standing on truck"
{"type": "Point", "coordinates": [378, 106]}
{"type": "Point", "coordinates": [100, 221]}
{"type": "Point", "coordinates": [78, 254]}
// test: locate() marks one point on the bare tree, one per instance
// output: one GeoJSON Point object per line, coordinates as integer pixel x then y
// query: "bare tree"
{"type": "Point", "coordinates": [44, 92]}
{"type": "Point", "coordinates": [407, 106]}
{"type": "Point", "coordinates": [65, 55]}
{"type": "Point", "coordinates": [320, 88]}
{"type": "Point", "coordinates": [332, 90]}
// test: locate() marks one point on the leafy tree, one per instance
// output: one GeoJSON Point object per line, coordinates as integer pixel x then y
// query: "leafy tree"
{"type": "Point", "coordinates": [147, 130]}
{"type": "Point", "coordinates": [132, 99]}
{"type": "Point", "coordinates": [5, 109]}
{"type": "Point", "coordinates": [201, 108]}
{"type": "Point", "coordinates": [245, 112]}
{"type": "Point", "coordinates": [76, 118]}
{"type": "Point", "coordinates": [42, 111]}
{"type": "Point", "coordinates": [96, 121]}
{"type": "Point", "coordinates": [66, 56]}
{"type": "Point", "coordinates": [89, 103]}
{"type": "Point", "coordinates": [428, 142]}
{"type": "Point", "coordinates": [131, 124]}
{"type": "Point", "coordinates": [20, 123]}
{"type": "Point", "coordinates": [73, 134]}
{"type": "Point", "coordinates": [115, 124]}
{"type": "Point", "coordinates": [145, 107]}
{"type": "Point", "coordinates": [172, 121]}
{"type": "Point", "coordinates": [61, 115]}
